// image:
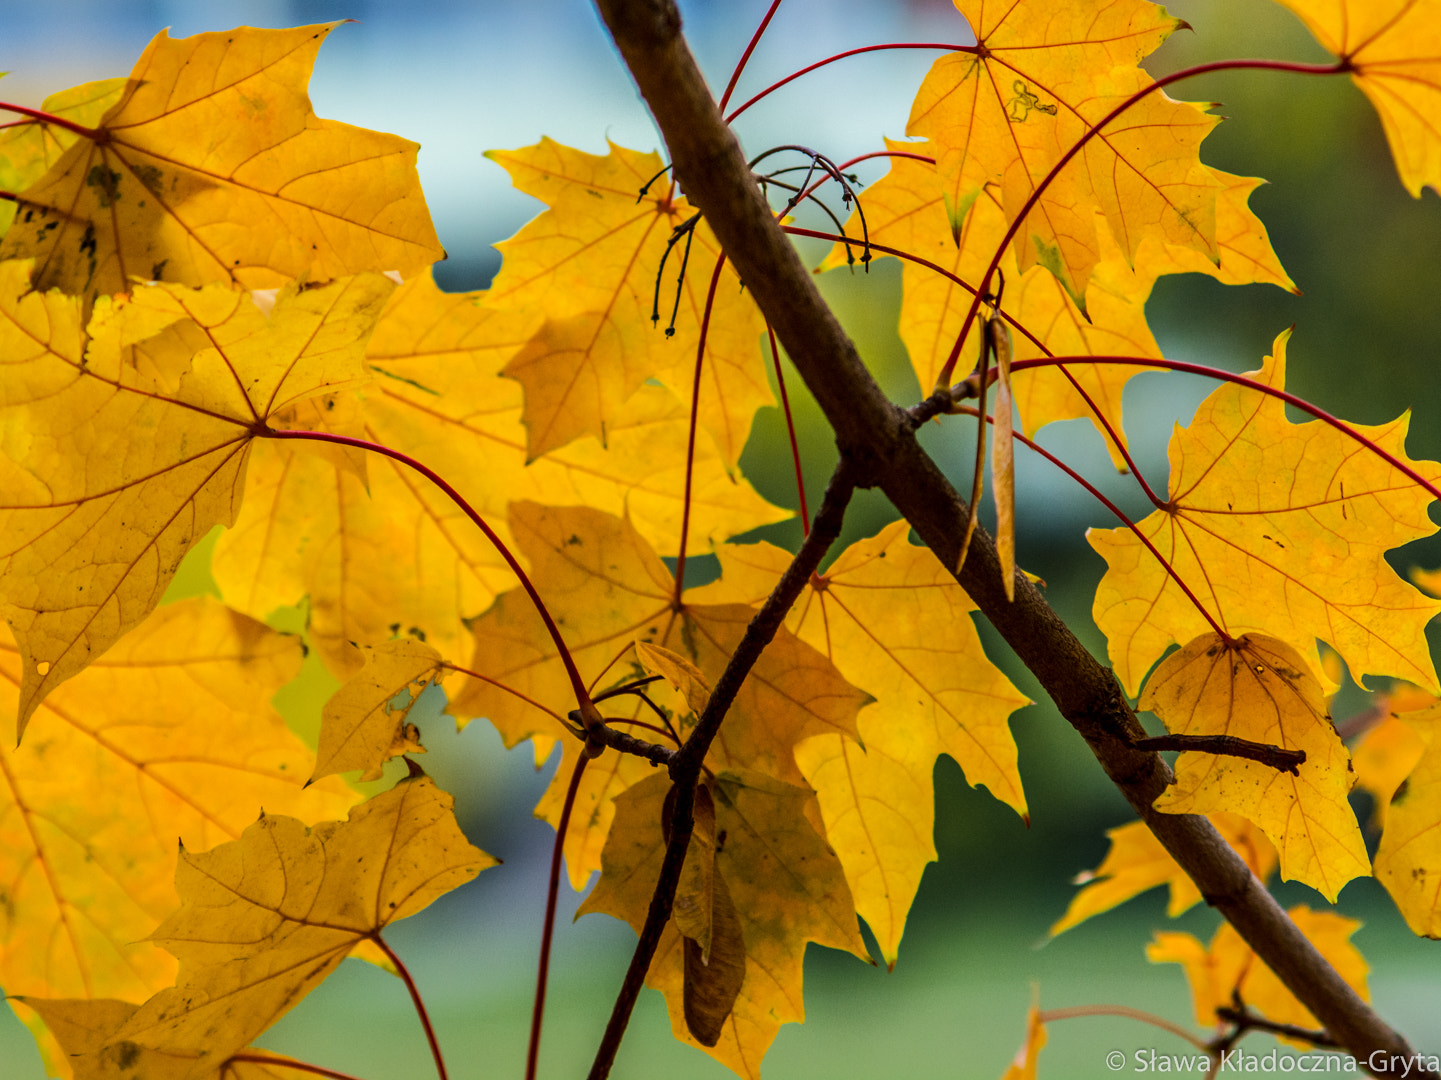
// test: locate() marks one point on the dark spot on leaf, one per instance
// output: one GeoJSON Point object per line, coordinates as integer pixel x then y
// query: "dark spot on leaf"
{"type": "Point", "coordinates": [107, 180]}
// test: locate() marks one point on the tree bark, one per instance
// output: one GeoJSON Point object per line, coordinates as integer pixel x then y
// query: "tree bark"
{"type": "Point", "coordinates": [877, 441]}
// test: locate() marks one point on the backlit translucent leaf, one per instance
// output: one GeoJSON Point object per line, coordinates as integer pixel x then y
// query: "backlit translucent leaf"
{"type": "Point", "coordinates": [787, 887]}
{"type": "Point", "coordinates": [362, 727]}
{"type": "Point", "coordinates": [581, 281]}
{"type": "Point", "coordinates": [896, 624]}
{"type": "Point", "coordinates": [265, 918]}
{"type": "Point", "coordinates": [1023, 1066]}
{"type": "Point", "coordinates": [606, 589]}
{"type": "Point", "coordinates": [1383, 758]}
{"type": "Point", "coordinates": [1408, 861]}
{"type": "Point", "coordinates": [1137, 862]}
{"type": "Point", "coordinates": [1394, 50]}
{"type": "Point", "coordinates": [123, 457]}
{"type": "Point", "coordinates": [1275, 528]}
{"type": "Point", "coordinates": [1259, 689]}
{"type": "Point", "coordinates": [166, 736]}
{"type": "Point", "coordinates": [214, 167]}
{"type": "Point", "coordinates": [1043, 74]}
{"type": "Point", "coordinates": [1228, 965]}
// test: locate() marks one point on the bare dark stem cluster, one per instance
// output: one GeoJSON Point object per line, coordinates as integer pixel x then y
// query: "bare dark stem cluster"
{"type": "Point", "coordinates": [878, 447]}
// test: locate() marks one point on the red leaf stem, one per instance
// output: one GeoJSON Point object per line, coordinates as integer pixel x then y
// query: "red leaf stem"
{"type": "Point", "coordinates": [404, 973]}
{"type": "Point", "coordinates": [287, 1063]}
{"type": "Point", "coordinates": [51, 118]}
{"type": "Point", "coordinates": [791, 429]}
{"type": "Point", "coordinates": [745, 56]}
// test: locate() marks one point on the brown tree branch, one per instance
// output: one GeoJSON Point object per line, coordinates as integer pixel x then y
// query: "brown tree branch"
{"type": "Point", "coordinates": [686, 764]}
{"type": "Point", "coordinates": [878, 440]}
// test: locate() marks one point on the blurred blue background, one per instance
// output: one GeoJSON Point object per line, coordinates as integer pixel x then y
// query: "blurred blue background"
{"type": "Point", "coordinates": [463, 77]}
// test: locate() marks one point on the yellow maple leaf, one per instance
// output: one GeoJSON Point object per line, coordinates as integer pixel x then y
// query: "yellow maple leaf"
{"type": "Point", "coordinates": [606, 589]}
{"type": "Point", "coordinates": [1136, 861]}
{"type": "Point", "coordinates": [787, 887]}
{"type": "Point", "coordinates": [213, 167]}
{"type": "Point", "coordinates": [1275, 528]}
{"type": "Point", "coordinates": [1408, 860]}
{"type": "Point", "coordinates": [1004, 113]}
{"type": "Point", "coordinates": [1023, 1066]}
{"type": "Point", "coordinates": [307, 528]}
{"type": "Point", "coordinates": [360, 728]}
{"type": "Point", "coordinates": [29, 146]}
{"type": "Point", "coordinates": [114, 461]}
{"type": "Point", "coordinates": [1393, 52]}
{"type": "Point", "coordinates": [265, 918]}
{"type": "Point", "coordinates": [905, 210]}
{"type": "Point", "coordinates": [579, 284]}
{"type": "Point", "coordinates": [1229, 966]}
{"type": "Point", "coordinates": [165, 736]}
{"type": "Point", "coordinates": [1383, 758]}
{"type": "Point", "coordinates": [895, 623]}
{"type": "Point", "coordinates": [1260, 689]}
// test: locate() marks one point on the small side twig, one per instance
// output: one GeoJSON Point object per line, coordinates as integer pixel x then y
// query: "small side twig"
{"type": "Point", "coordinates": [1228, 746]}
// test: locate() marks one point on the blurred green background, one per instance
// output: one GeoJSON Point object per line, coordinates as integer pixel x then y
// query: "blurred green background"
{"type": "Point", "coordinates": [462, 77]}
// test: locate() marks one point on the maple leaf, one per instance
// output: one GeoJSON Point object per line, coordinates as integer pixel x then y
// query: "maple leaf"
{"type": "Point", "coordinates": [1136, 862]}
{"type": "Point", "coordinates": [1276, 528]}
{"type": "Point", "coordinates": [1260, 689]}
{"type": "Point", "coordinates": [905, 210]}
{"type": "Point", "coordinates": [607, 589]}
{"type": "Point", "coordinates": [360, 728]}
{"type": "Point", "coordinates": [1408, 860]}
{"type": "Point", "coordinates": [1005, 112]}
{"type": "Point", "coordinates": [308, 528]}
{"type": "Point", "coordinates": [895, 623]}
{"type": "Point", "coordinates": [1228, 966]}
{"type": "Point", "coordinates": [114, 462]}
{"type": "Point", "coordinates": [213, 167]}
{"type": "Point", "coordinates": [265, 918]}
{"type": "Point", "coordinates": [579, 284]}
{"type": "Point", "coordinates": [787, 886]}
{"type": "Point", "coordinates": [29, 147]}
{"type": "Point", "coordinates": [1392, 48]}
{"type": "Point", "coordinates": [117, 766]}
{"type": "Point", "coordinates": [1383, 758]}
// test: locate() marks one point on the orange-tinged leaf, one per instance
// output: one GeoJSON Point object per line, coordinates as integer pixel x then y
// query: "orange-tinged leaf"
{"type": "Point", "coordinates": [361, 726]}
{"type": "Point", "coordinates": [214, 167]}
{"type": "Point", "coordinates": [265, 918]}
{"type": "Point", "coordinates": [1228, 965]}
{"type": "Point", "coordinates": [607, 589]}
{"type": "Point", "coordinates": [167, 735]}
{"type": "Point", "coordinates": [676, 670]}
{"type": "Point", "coordinates": [1023, 1066]}
{"type": "Point", "coordinates": [1276, 528]}
{"type": "Point", "coordinates": [585, 275]}
{"type": "Point", "coordinates": [1136, 862]}
{"type": "Point", "coordinates": [905, 210]}
{"type": "Point", "coordinates": [134, 451]}
{"type": "Point", "coordinates": [1005, 113]}
{"type": "Point", "coordinates": [787, 889]}
{"type": "Point", "coordinates": [1393, 49]}
{"type": "Point", "coordinates": [896, 624]}
{"type": "Point", "coordinates": [1260, 689]}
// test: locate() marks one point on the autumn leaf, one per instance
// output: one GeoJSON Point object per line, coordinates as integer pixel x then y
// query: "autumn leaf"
{"type": "Point", "coordinates": [905, 210]}
{"type": "Point", "coordinates": [213, 167]}
{"type": "Point", "coordinates": [1005, 112]}
{"type": "Point", "coordinates": [787, 888]}
{"type": "Point", "coordinates": [1383, 758]}
{"type": "Point", "coordinates": [579, 284]}
{"type": "Point", "coordinates": [606, 589]}
{"type": "Point", "coordinates": [29, 147]}
{"type": "Point", "coordinates": [167, 735]}
{"type": "Point", "coordinates": [309, 529]}
{"type": "Point", "coordinates": [1023, 1066]}
{"type": "Point", "coordinates": [115, 460]}
{"type": "Point", "coordinates": [895, 623]}
{"type": "Point", "coordinates": [1137, 862]}
{"type": "Point", "coordinates": [1392, 49]}
{"type": "Point", "coordinates": [1228, 965]}
{"type": "Point", "coordinates": [1408, 860]}
{"type": "Point", "coordinates": [1259, 689]}
{"type": "Point", "coordinates": [359, 728]}
{"type": "Point", "coordinates": [1274, 528]}
{"type": "Point", "coordinates": [265, 918]}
